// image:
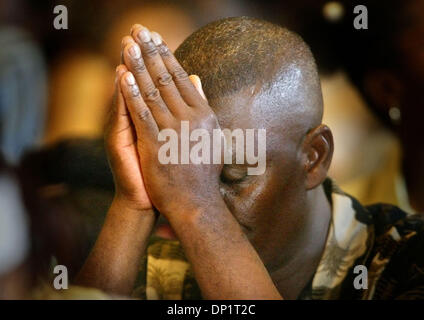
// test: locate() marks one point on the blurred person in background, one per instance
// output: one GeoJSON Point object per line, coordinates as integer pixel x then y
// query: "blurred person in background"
{"type": "Point", "coordinates": [14, 238]}
{"type": "Point", "coordinates": [23, 85]}
{"type": "Point", "coordinates": [31, 231]}
{"type": "Point", "coordinates": [56, 229]}
{"type": "Point", "coordinates": [385, 65]}
{"type": "Point", "coordinates": [34, 231]}
{"type": "Point", "coordinates": [23, 109]}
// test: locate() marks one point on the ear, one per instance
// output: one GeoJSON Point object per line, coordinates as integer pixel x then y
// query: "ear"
{"type": "Point", "coordinates": [384, 89]}
{"type": "Point", "coordinates": [318, 147]}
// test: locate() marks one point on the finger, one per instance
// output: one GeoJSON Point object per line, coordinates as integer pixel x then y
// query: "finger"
{"type": "Point", "coordinates": [120, 102]}
{"type": "Point", "coordinates": [140, 113]}
{"type": "Point", "coordinates": [195, 80]}
{"type": "Point", "coordinates": [117, 110]}
{"type": "Point", "coordinates": [148, 42]}
{"type": "Point", "coordinates": [187, 90]}
{"type": "Point", "coordinates": [120, 131]}
{"type": "Point", "coordinates": [125, 41]}
{"type": "Point", "coordinates": [151, 95]}
{"type": "Point", "coordinates": [118, 122]}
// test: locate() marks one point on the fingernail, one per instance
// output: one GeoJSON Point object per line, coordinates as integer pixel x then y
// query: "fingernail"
{"type": "Point", "coordinates": [144, 35]}
{"type": "Point", "coordinates": [130, 79]}
{"type": "Point", "coordinates": [134, 51]}
{"type": "Point", "coordinates": [157, 39]}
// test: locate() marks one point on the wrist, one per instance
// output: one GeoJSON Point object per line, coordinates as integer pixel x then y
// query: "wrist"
{"type": "Point", "coordinates": [199, 212]}
{"type": "Point", "coordinates": [121, 204]}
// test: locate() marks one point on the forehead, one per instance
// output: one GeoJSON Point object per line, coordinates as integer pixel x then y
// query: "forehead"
{"type": "Point", "coordinates": [241, 110]}
{"type": "Point", "coordinates": [244, 110]}
{"type": "Point", "coordinates": [247, 109]}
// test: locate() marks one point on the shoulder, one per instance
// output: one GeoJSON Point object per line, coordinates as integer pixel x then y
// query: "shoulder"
{"type": "Point", "coordinates": [393, 252]}
{"type": "Point", "coordinates": [396, 262]}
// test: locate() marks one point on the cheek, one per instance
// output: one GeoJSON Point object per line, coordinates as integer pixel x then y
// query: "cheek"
{"type": "Point", "coordinates": [243, 200]}
{"type": "Point", "coordinates": [275, 206]}
{"type": "Point", "coordinates": [259, 204]}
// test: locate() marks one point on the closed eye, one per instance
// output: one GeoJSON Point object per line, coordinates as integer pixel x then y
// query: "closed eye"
{"type": "Point", "coordinates": [233, 174]}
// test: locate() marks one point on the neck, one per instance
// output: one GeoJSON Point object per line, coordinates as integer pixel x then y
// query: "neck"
{"type": "Point", "coordinates": [299, 269]}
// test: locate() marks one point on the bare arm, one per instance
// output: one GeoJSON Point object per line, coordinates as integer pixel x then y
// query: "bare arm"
{"type": "Point", "coordinates": [114, 261]}
{"type": "Point", "coordinates": [225, 264]}
{"type": "Point", "coordinates": [113, 264]}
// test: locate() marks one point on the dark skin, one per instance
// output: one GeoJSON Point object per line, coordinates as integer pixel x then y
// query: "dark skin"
{"type": "Point", "coordinates": [246, 237]}
{"type": "Point", "coordinates": [285, 222]}
{"type": "Point", "coordinates": [402, 87]}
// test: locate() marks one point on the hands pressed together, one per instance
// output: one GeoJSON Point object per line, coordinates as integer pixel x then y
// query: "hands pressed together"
{"type": "Point", "coordinates": [153, 92]}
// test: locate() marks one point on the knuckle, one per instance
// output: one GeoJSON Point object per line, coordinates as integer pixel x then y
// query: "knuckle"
{"type": "Point", "coordinates": [180, 74]}
{"type": "Point", "coordinates": [164, 50]}
{"type": "Point", "coordinates": [152, 95]}
{"type": "Point", "coordinates": [143, 114]}
{"type": "Point", "coordinates": [164, 79]}
{"type": "Point", "coordinates": [135, 92]}
{"type": "Point", "coordinates": [139, 66]}
{"type": "Point", "coordinates": [150, 49]}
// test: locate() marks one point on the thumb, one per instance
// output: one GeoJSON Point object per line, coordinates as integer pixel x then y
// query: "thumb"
{"type": "Point", "coordinates": [195, 80]}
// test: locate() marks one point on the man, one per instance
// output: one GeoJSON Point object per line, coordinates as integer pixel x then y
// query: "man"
{"type": "Point", "coordinates": [286, 233]}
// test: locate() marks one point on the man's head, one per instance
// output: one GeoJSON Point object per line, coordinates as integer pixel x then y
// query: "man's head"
{"type": "Point", "coordinates": [257, 75]}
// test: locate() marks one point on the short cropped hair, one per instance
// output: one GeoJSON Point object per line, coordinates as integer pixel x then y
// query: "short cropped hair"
{"type": "Point", "coordinates": [233, 53]}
